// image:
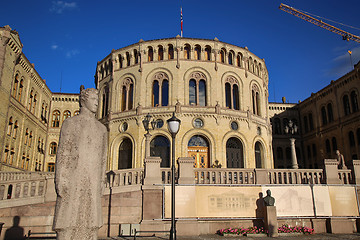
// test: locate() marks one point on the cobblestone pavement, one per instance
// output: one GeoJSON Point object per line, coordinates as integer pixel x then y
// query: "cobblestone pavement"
{"type": "Point", "coordinates": [323, 236]}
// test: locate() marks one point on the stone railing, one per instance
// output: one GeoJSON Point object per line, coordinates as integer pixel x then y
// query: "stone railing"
{"type": "Point", "coordinates": [295, 176]}
{"type": "Point", "coordinates": [345, 176]}
{"type": "Point", "coordinates": [224, 176]}
{"type": "Point", "coordinates": [125, 177]}
{"type": "Point", "coordinates": [10, 176]}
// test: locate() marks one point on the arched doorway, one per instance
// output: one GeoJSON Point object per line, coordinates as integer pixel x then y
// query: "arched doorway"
{"type": "Point", "coordinates": [160, 147]}
{"type": "Point", "coordinates": [198, 148]}
{"type": "Point", "coordinates": [125, 154]}
{"type": "Point", "coordinates": [234, 153]}
{"type": "Point", "coordinates": [259, 155]}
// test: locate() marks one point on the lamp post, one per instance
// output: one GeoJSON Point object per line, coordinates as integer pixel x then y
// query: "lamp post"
{"type": "Point", "coordinates": [110, 176]}
{"type": "Point", "coordinates": [174, 126]}
{"type": "Point", "coordinates": [146, 123]}
{"type": "Point", "coordinates": [291, 129]}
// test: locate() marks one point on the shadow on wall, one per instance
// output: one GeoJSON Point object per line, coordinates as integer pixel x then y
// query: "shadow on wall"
{"type": "Point", "coordinates": [259, 222]}
{"type": "Point", "coordinates": [15, 232]}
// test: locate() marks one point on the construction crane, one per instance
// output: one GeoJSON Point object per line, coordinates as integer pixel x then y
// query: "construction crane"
{"type": "Point", "coordinates": [345, 35]}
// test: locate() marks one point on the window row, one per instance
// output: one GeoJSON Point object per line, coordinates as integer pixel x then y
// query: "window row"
{"type": "Point", "coordinates": [56, 117]}
{"type": "Point", "coordinates": [197, 94]}
{"type": "Point", "coordinates": [198, 149]}
{"type": "Point", "coordinates": [279, 125]}
{"type": "Point", "coordinates": [282, 161]}
{"type": "Point", "coordinates": [354, 103]}
{"type": "Point", "coordinates": [167, 52]}
{"type": "Point", "coordinates": [312, 156]}
{"type": "Point", "coordinates": [12, 128]}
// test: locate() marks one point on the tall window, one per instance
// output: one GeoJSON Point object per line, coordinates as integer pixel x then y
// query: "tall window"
{"type": "Point", "coordinates": [197, 52]}
{"type": "Point", "coordinates": [222, 55]}
{"type": "Point", "coordinates": [351, 139]}
{"type": "Point", "coordinates": [105, 101]}
{"type": "Point", "coordinates": [255, 100]}
{"type": "Point", "coordinates": [160, 147]}
{"type": "Point", "coordinates": [171, 52]}
{"type": "Point", "coordinates": [323, 116]}
{"type": "Point", "coordinates": [277, 126]}
{"type": "Point", "coordinates": [232, 94]}
{"type": "Point", "coordinates": [125, 154]}
{"type": "Point", "coordinates": [51, 167]}
{"type": "Point", "coordinates": [330, 113]}
{"type": "Point", "coordinates": [9, 128]}
{"type": "Point", "coordinates": [346, 104]}
{"type": "Point", "coordinates": [136, 56]}
{"type": "Point", "coordinates": [161, 53]}
{"type": "Point", "coordinates": [128, 58]}
{"type": "Point", "coordinates": [53, 148]}
{"type": "Point", "coordinates": [150, 54]}
{"type": "Point", "coordinates": [306, 125]}
{"type": "Point", "coordinates": [187, 51]}
{"type": "Point", "coordinates": [208, 53]}
{"type": "Point", "coordinates": [21, 87]}
{"type": "Point", "coordinates": [6, 154]}
{"type": "Point", "coordinates": [234, 153]}
{"type": "Point", "coordinates": [34, 104]}
{"type": "Point", "coordinates": [56, 118]}
{"type": "Point", "coordinates": [26, 138]}
{"type": "Point", "coordinates": [16, 126]}
{"type": "Point", "coordinates": [239, 60]}
{"type": "Point", "coordinates": [30, 138]}
{"type": "Point", "coordinates": [334, 144]}
{"type": "Point", "coordinates": [354, 101]}
{"type": "Point", "coordinates": [327, 146]}
{"type": "Point", "coordinates": [66, 115]}
{"type": "Point", "coordinates": [311, 122]}
{"type": "Point", "coordinates": [31, 100]}
{"type": "Point", "coordinates": [120, 61]}
{"type": "Point", "coordinates": [15, 86]}
{"type": "Point", "coordinates": [197, 89]}
{"type": "Point", "coordinates": [231, 58]}
{"type": "Point", "coordinates": [258, 155]}
{"type": "Point", "coordinates": [127, 93]}
{"type": "Point", "coordinates": [160, 93]}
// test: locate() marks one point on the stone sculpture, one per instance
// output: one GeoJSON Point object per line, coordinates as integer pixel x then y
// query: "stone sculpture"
{"type": "Point", "coordinates": [340, 160]}
{"type": "Point", "coordinates": [80, 172]}
{"type": "Point", "coordinates": [269, 200]}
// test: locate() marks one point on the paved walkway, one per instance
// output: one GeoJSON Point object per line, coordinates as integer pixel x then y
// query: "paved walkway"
{"type": "Point", "coordinates": [323, 236]}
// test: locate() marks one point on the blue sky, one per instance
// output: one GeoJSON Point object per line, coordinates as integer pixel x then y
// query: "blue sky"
{"type": "Point", "coordinates": [65, 39]}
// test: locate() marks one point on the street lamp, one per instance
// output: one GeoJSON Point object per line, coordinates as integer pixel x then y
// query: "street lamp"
{"type": "Point", "coordinates": [174, 126]}
{"type": "Point", "coordinates": [110, 177]}
{"type": "Point", "coordinates": [292, 129]}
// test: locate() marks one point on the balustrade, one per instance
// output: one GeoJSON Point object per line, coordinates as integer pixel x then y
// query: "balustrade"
{"type": "Point", "coordinates": [345, 176]}
{"type": "Point", "coordinates": [295, 176]}
{"type": "Point", "coordinates": [224, 176]}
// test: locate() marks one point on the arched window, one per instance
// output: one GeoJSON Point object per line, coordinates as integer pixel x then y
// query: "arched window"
{"type": "Point", "coordinates": [334, 144]}
{"type": "Point", "coordinates": [34, 104]}
{"type": "Point", "coordinates": [197, 89]}
{"type": "Point", "coordinates": [198, 148]}
{"type": "Point", "coordinates": [51, 167]}
{"type": "Point", "coordinates": [187, 51]}
{"type": "Point", "coordinates": [128, 59]}
{"type": "Point", "coordinates": [234, 153]}
{"type": "Point", "coordinates": [120, 61]}
{"type": "Point", "coordinates": [6, 154]}
{"type": "Point", "coordinates": [259, 155]}
{"type": "Point", "coordinates": [16, 126]}
{"type": "Point", "coordinates": [328, 147]}
{"type": "Point", "coordinates": [354, 101]}
{"type": "Point", "coordinates": [222, 55]}
{"type": "Point", "coordinates": [170, 51]}
{"type": "Point", "coordinates": [9, 128]}
{"type": "Point", "coordinates": [208, 53]}
{"type": "Point", "coordinates": [150, 54]}
{"type": "Point", "coordinates": [160, 53]}
{"type": "Point", "coordinates": [127, 94]}
{"type": "Point", "coordinates": [277, 126]}
{"type": "Point", "coordinates": [346, 104]}
{"type": "Point", "coordinates": [53, 148]}
{"type": "Point", "coordinates": [256, 100]}
{"type": "Point", "coordinates": [21, 87]}
{"type": "Point", "coordinates": [239, 60]}
{"type": "Point", "coordinates": [323, 116]}
{"type": "Point", "coordinates": [160, 95]}
{"type": "Point", "coordinates": [232, 93]}
{"type": "Point", "coordinates": [125, 154]}
{"type": "Point", "coordinates": [105, 101]}
{"type": "Point", "coordinates": [251, 65]}
{"type": "Point", "coordinates": [136, 56]}
{"type": "Point", "coordinates": [306, 125]}
{"type": "Point", "coordinates": [231, 58]}
{"type": "Point", "coordinates": [26, 138]}
{"type": "Point", "coordinates": [330, 112]}
{"type": "Point", "coordinates": [197, 52]}
{"type": "Point", "coordinates": [30, 138]}
{"type": "Point", "coordinates": [56, 118]}
{"type": "Point", "coordinates": [31, 96]}
{"type": "Point", "coordinates": [66, 114]}
{"type": "Point", "coordinates": [351, 139]}
{"type": "Point", "coordinates": [160, 147]}
{"type": "Point", "coordinates": [15, 86]}
{"type": "Point", "coordinates": [311, 122]}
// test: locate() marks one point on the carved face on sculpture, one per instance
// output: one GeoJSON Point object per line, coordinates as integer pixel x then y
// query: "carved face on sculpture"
{"type": "Point", "coordinates": [89, 99]}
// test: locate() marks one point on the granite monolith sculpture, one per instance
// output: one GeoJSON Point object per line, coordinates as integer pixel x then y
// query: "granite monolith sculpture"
{"type": "Point", "coordinates": [80, 172]}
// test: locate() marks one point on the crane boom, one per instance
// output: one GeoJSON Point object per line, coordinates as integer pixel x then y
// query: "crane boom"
{"type": "Point", "coordinates": [346, 35]}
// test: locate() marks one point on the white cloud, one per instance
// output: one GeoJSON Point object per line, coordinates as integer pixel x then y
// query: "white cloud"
{"type": "Point", "coordinates": [343, 63]}
{"type": "Point", "coordinates": [72, 53]}
{"type": "Point", "coordinates": [61, 6]}
{"type": "Point", "coordinates": [54, 47]}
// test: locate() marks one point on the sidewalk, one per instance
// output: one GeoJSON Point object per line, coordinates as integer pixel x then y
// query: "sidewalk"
{"type": "Point", "coordinates": [320, 236]}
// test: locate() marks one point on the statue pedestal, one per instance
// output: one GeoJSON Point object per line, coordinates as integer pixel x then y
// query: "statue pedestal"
{"type": "Point", "coordinates": [270, 220]}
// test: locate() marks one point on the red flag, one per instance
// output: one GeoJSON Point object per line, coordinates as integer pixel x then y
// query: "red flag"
{"type": "Point", "coordinates": [181, 22]}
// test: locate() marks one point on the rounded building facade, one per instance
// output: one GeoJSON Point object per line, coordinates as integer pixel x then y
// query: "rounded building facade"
{"type": "Point", "coordinates": [219, 92]}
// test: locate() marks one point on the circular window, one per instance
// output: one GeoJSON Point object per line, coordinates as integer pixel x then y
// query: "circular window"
{"type": "Point", "coordinates": [234, 126]}
{"type": "Point", "coordinates": [159, 123]}
{"type": "Point", "coordinates": [124, 127]}
{"type": "Point", "coordinates": [198, 123]}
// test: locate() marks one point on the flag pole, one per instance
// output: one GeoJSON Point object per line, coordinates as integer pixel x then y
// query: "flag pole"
{"type": "Point", "coordinates": [350, 52]}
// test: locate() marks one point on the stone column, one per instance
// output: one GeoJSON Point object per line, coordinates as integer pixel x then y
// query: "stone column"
{"type": "Point", "coordinates": [331, 171]}
{"type": "Point", "coordinates": [270, 221]}
{"type": "Point", "coordinates": [152, 171]}
{"type": "Point", "coordinates": [294, 163]}
{"type": "Point", "coordinates": [186, 170]}
{"type": "Point", "coordinates": [147, 145]}
{"type": "Point", "coordinates": [356, 171]}
{"type": "Point", "coordinates": [261, 176]}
